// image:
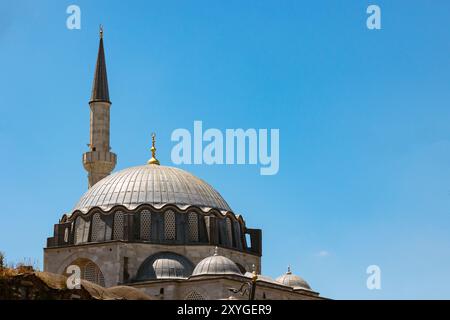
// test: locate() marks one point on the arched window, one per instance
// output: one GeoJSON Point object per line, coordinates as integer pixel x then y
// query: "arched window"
{"type": "Point", "coordinates": [93, 274]}
{"type": "Point", "coordinates": [146, 225]}
{"type": "Point", "coordinates": [193, 226]}
{"type": "Point", "coordinates": [98, 228]}
{"type": "Point", "coordinates": [194, 295]}
{"type": "Point", "coordinates": [81, 230]}
{"type": "Point", "coordinates": [66, 234]}
{"type": "Point", "coordinates": [96, 222]}
{"type": "Point", "coordinates": [229, 232]}
{"type": "Point", "coordinates": [89, 271]}
{"type": "Point", "coordinates": [169, 225]}
{"type": "Point", "coordinates": [119, 219]}
{"type": "Point", "coordinates": [237, 234]}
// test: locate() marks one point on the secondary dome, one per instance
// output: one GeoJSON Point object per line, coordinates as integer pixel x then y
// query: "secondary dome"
{"type": "Point", "coordinates": [292, 280]}
{"type": "Point", "coordinates": [165, 265]}
{"type": "Point", "coordinates": [151, 184]}
{"type": "Point", "coordinates": [216, 265]}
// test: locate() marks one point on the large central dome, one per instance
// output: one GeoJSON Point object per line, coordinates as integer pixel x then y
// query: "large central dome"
{"type": "Point", "coordinates": [151, 184]}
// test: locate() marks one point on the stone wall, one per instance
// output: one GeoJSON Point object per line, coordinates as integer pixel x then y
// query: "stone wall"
{"type": "Point", "coordinates": [110, 257]}
{"type": "Point", "coordinates": [217, 288]}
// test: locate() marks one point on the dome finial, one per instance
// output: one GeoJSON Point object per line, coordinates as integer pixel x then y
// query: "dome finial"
{"type": "Point", "coordinates": [216, 249]}
{"type": "Point", "coordinates": [153, 159]}
{"type": "Point", "coordinates": [101, 31]}
{"type": "Point", "coordinates": [289, 270]}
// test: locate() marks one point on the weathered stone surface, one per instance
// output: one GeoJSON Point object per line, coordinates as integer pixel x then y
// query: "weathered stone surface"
{"type": "Point", "coordinates": [109, 256]}
{"type": "Point", "coordinates": [50, 286]}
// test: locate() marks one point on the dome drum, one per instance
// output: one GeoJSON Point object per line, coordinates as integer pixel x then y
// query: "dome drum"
{"type": "Point", "coordinates": [167, 225]}
{"type": "Point", "coordinates": [154, 204]}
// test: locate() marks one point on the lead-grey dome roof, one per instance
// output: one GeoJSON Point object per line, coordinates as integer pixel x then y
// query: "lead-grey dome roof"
{"type": "Point", "coordinates": [292, 280]}
{"type": "Point", "coordinates": [165, 265]}
{"type": "Point", "coordinates": [151, 184]}
{"type": "Point", "coordinates": [216, 265]}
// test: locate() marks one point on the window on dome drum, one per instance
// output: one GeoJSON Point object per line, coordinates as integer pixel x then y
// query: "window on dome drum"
{"type": "Point", "coordinates": [95, 227]}
{"type": "Point", "coordinates": [229, 232]}
{"type": "Point", "coordinates": [169, 225]}
{"type": "Point", "coordinates": [193, 295]}
{"type": "Point", "coordinates": [193, 226]}
{"type": "Point", "coordinates": [248, 240]}
{"type": "Point", "coordinates": [99, 228]}
{"type": "Point", "coordinates": [66, 234]}
{"type": "Point", "coordinates": [119, 219]}
{"type": "Point", "coordinates": [222, 230]}
{"type": "Point", "coordinates": [237, 234]}
{"type": "Point", "coordinates": [81, 230]}
{"type": "Point", "coordinates": [146, 225]}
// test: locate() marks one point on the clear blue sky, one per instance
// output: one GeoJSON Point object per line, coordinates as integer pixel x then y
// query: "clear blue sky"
{"type": "Point", "coordinates": [363, 118]}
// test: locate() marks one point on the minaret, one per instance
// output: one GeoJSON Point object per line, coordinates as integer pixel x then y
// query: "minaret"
{"type": "Point", "coordinates": [99, 161]}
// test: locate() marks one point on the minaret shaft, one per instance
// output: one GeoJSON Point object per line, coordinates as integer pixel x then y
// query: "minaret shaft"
{"type": "Point", "coordinates": [100, 124]}
{"type": "Point", "coordinates": [99, 161]}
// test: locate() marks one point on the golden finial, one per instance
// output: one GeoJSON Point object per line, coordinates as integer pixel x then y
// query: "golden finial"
{"type": "Point", "coordinates": [153, 160]}
{"type": "Point", "coordinates": [254, 273]}
{"type": "Point", "coordinates": [101, 32]}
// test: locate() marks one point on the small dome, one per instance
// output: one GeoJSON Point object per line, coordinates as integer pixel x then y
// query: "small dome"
{"type": "Point", "coordinates": [292, 280]}
{"type": "Point", "coordinates": [261, 277]}
{"type": "Point", "coordinates": [216, 265]}
{"type": "Point", "coordinates": [165, 265]}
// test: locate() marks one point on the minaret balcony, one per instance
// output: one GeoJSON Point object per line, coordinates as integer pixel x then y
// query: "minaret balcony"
{"type": "Point", "coordinates": [99, 161]}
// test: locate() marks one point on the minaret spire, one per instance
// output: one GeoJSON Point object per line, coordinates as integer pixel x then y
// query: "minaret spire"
{"type": "Point", "coordinates": [100, 90]}
{"type": "Point", "coordinates": [99, 161]}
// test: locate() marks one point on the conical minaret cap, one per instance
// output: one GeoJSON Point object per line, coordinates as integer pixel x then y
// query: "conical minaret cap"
{"type": "Point", "coordinates": [100, 92]}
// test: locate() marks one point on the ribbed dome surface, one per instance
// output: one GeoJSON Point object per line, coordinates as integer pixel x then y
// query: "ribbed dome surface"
{"type": "Point", "coordinates": [151, 184]}
{"type": "Point", "coordinates": [292, 280]}
{"type": "Point", "coordinates": [165, 265]}
{"type": "Point", "coordinates": [216, 265]}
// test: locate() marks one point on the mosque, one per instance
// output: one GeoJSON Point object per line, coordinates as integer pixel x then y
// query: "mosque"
{"type": "Point", "coordinates": [158, 228]}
